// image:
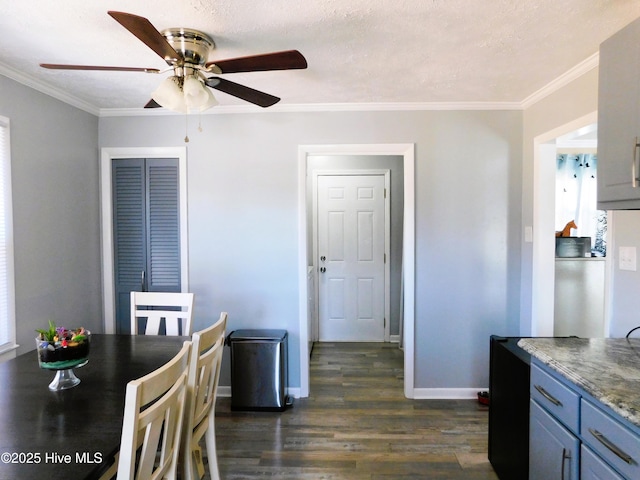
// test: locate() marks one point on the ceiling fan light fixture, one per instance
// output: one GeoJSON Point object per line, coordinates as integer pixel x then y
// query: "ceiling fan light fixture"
{"type": "Point", "coordinates": [184, 94]}
{"type": "Point", "coordinates": [211, 100]}
{"type": "Point", "coordinates": [196, 95]}
{"type": "Point", "coordinates": [169, 95]}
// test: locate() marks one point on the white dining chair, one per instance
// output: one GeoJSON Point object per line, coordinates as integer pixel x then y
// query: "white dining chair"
{"type": "Point", "coordinates": [176, 309]}
{"type": "Point", "coordinates": [152, 427]}
{"type": "Point", "coordinates": [202, 386]}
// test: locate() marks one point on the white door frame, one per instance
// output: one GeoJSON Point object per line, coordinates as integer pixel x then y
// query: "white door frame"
{"type": "Point", "coordinates": [543, 259]}
{"type": "Point", "coordinates": [107, 155]}
{"type": "Point", "coordinates": [408, 268]}
{"type": "Point", "coordinates": [315, 321]}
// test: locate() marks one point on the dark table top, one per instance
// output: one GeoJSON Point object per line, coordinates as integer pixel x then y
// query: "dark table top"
{"type": "Point", "coordinates": [67, 434]}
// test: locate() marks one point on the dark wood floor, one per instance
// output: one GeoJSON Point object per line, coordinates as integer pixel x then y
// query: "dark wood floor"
{"type": "Point", "coordinates": [356, 425]}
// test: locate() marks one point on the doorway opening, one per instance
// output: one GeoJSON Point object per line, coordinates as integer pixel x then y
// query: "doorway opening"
{"type": "Point", "coordinates": [308, 265]}
{"type": "Point", "coordinates": [544, 296]}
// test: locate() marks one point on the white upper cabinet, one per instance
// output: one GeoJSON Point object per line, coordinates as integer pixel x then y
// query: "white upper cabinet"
{"type": "Point", "coordinates": [619, 121]}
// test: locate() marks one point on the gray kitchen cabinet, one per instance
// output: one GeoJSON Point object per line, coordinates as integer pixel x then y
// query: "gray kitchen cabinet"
{"type": "Point", "coordinates": [593, 468]}
{"type": "Point", "coordinates": [610, 439]}
{"type": "Point", "coordinates": [553, 449]}
{"type": "Point", "coordinates": [574, 436]}
{"type": "Point", "coordinates": [619, 120]}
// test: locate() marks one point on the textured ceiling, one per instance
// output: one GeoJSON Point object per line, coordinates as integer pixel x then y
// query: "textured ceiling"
{"type": "Point", "coordinates": [359, 51]}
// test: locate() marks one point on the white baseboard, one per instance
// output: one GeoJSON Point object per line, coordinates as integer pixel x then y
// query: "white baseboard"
{"type": "Point", "coordinates": [446, 393]}
{"type": "Point", "coordinates": [418, 393]}
{"type": "Point", "coordinates": [394, 338]}
{"type": "Point", "coordinates": [226, 392]}
{"type": "Point", "coordinates": [293, 392]}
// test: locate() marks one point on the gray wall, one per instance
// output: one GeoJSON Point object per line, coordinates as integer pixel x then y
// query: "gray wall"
{"type": "Point", "coordinates": [243, 215]}
{"type": "Point", "coordinates": [54, 149]}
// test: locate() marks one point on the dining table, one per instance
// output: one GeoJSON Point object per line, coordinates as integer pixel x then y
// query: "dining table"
{"type": "Point", "coordinates": [73, 433]}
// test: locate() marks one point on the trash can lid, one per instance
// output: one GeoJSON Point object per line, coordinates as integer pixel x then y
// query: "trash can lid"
{"type": "Point", "coordinates": [257, 334]}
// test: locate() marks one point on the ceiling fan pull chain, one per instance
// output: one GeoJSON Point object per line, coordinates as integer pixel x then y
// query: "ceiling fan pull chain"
{"type": "Point", "coordinates": [186, 128]}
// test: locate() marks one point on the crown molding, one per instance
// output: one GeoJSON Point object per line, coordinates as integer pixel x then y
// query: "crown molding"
{"type": "Point", "coordinates": [47, 89]}
{"type": "Point", "coordinates": [583, 67]}
{"type": "Point", "coordinates": [322, 107]}
{"type": "Point", "coordinates": [563, 80]}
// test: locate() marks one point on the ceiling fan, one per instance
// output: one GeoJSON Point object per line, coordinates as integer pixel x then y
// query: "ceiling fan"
{"type": "Point", "coordinates": [186, 51]}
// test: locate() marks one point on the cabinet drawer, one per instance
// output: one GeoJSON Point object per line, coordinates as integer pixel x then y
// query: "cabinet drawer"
{"type": "Point", "coordinates": [615, 443]}
{"type": "Point", "coordinates": [593, 468]}
{"type": "Point", "coordinates": [556, 398]}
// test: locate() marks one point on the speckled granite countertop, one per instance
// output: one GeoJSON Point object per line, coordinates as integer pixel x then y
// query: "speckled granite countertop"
{"type": "Point", "coordinates": [606, 368]}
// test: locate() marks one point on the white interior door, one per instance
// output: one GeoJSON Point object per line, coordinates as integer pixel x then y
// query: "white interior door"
{"type": "Point", "coordinates": [351, 257]}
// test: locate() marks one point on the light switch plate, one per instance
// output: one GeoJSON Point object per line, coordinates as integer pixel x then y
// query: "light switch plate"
{"type": "Point", "coordinates": [627, 260]}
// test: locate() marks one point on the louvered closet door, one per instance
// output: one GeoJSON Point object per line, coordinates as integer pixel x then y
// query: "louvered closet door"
{"type": "Point", "coordinates": [146, 230]}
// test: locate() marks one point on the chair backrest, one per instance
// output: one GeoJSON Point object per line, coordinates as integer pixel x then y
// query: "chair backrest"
{"type": "Point", "coordinates": [204, 371]}
{"type": "Point", "coordinates": [202, 384]}
{"type": "Point", "coordinates": [153, 421]}
{"type": "Point", "coordinates": [175, 308]}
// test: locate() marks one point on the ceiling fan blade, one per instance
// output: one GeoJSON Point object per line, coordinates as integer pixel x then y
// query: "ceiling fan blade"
{"type": "Point", "coordinates": [152, 104]}
{"type": "Point", "coordinates": [287, 60]}
{"type": "Point", "coordinates": [245, 93]}
{"type": "Point", "coordinates": [57, 66]}
{"type": "Point", "coordinates": [145, 31]}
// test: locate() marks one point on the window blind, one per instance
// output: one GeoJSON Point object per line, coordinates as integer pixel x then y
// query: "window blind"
{"type": "Point", "coordinates": [7, 320]}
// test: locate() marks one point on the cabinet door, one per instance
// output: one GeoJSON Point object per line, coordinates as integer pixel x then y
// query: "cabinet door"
{"type": "Point", "coordinates": [553, 451]}
{"type": "Point", "coordinates": [593, 468]}
{"type": "Point", "coordinates": [619, 119]}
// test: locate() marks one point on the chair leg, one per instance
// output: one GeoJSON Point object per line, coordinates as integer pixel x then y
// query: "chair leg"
{"type": "Point", "coordinates": [212, 455]}
{"type": "Point", "coordinates": [188, 465]}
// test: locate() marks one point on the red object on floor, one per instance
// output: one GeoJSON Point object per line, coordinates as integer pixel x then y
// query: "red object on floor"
{"type": "Point", "coordinates": [483, 398]}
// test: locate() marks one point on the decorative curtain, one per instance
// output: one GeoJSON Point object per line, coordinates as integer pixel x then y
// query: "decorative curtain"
{"type": "Point", "coordinates": [576, 197]}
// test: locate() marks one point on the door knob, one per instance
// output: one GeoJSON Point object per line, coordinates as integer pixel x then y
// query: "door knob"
{"type": "Point", "coordinates": [323, 258]}
{"type": "Point", "coordinates": [323, 269]}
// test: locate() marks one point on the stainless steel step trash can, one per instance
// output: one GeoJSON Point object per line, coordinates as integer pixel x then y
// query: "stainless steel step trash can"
{"type": "Point", "coordinates": [258, 370]}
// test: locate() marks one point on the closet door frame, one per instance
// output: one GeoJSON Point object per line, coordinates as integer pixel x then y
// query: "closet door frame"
{"type": "Point", "coordinates": [107, 155]}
